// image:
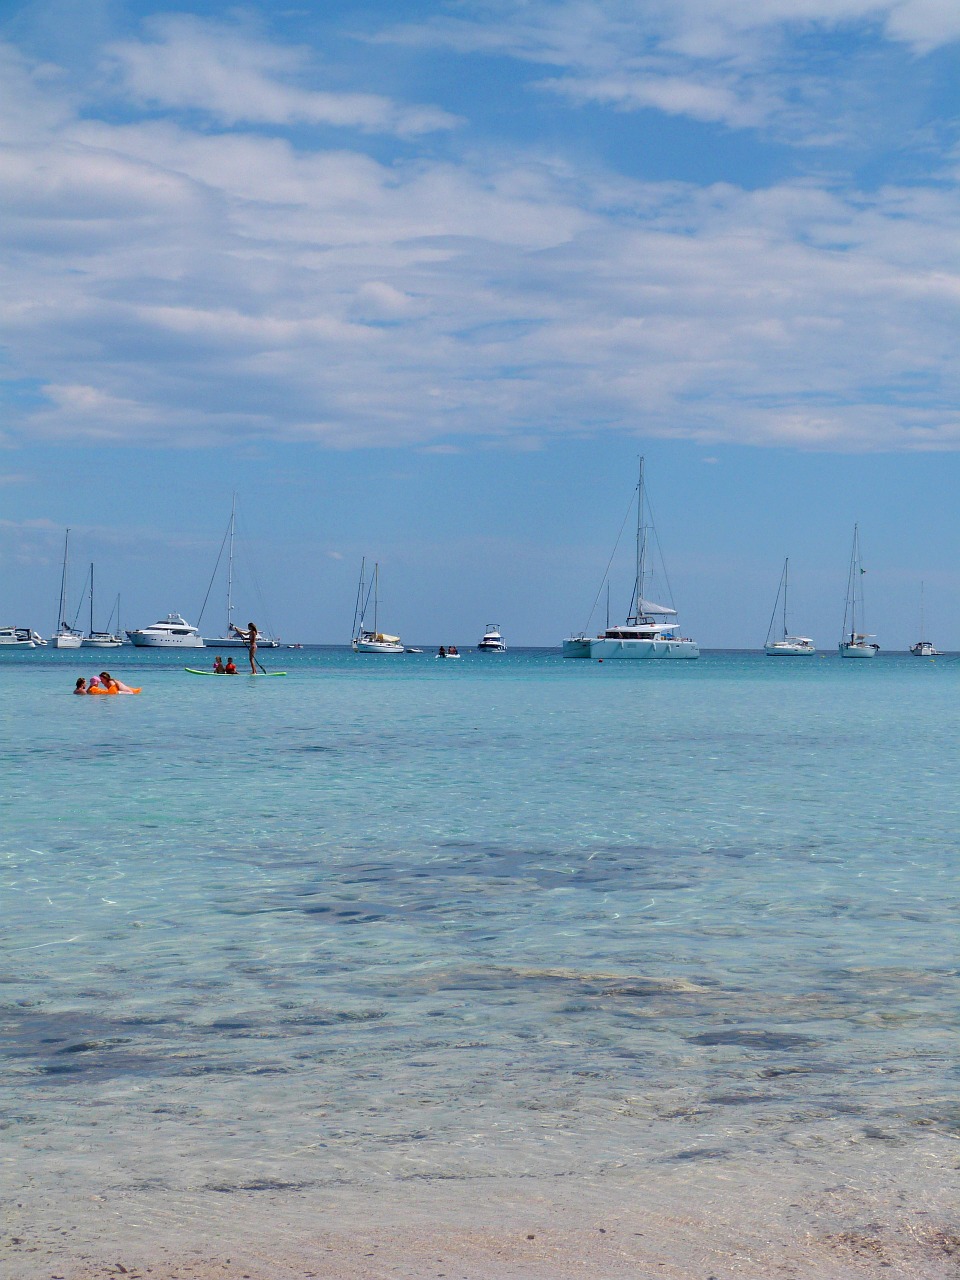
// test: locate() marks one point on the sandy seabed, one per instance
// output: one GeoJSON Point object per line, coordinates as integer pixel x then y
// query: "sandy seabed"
{"type": "Point", "coordinates": [711, 1221]}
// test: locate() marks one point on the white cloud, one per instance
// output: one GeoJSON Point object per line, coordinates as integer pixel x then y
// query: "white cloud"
{"type": "Point", "coordinates": [240, 78]}
{"type": "Point", "coordinates": [163, 283]}
{"type": "Point", "coordinates": [726, 61]}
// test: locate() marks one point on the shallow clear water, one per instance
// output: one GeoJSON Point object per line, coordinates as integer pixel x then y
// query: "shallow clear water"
{"type": "Point", "coordinates": [392, 918]}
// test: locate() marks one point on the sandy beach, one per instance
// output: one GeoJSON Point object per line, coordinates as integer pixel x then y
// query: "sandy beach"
{"type": "Point", "coordinates": [717, 1220]}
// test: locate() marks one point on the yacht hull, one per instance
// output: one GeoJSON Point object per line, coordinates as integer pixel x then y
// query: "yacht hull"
{"type": "Point", "coordinates": [165, 642]}
{"type": "Point", "coordinates": [604, 649]}
{"type": "Point", "coordinates": [376, 646]}
{"type": "Point", "coordinates": [66, 642]}
{"type": "Point", "coordinates": [859, 650]}
{"type": "Point", "coordinates": [788, 651]}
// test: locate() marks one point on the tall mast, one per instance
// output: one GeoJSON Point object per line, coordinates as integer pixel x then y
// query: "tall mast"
{"type": "Point", "coordinates": [376, 592]}
{"type": "Point", "coordinates": [91, 597]}
{"type": "Point", "coordinates": [921, 612]}
{"type": "Point", "coordinates": [641, 544]}
{"type": "Point", "coordinates": [63, 583]}
{"type": "Point", "coordinates": [233, 521]}
{"type": "Point", "coordinates": [786, 565]}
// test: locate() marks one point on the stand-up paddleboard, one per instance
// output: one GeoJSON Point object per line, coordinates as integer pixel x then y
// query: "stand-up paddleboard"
{"type": "Point", "coordinates": [194, 671]}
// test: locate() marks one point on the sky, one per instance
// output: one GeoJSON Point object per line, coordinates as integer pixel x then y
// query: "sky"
{"type": "Point", "coordinates": [421, 282]}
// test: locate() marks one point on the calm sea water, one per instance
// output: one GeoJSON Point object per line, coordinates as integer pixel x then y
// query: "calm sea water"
{"type": "Point", "coordinates": [392, 919]}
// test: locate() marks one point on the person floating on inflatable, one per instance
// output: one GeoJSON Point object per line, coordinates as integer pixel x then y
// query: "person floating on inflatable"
{"type": "Point", "coordinates": [115, 686]}
{"type": "Point", "coordinates": [96, 687]}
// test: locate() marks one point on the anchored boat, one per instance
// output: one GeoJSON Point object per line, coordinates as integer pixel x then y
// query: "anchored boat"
{"type": "Point", "coordinates": [649, 631]}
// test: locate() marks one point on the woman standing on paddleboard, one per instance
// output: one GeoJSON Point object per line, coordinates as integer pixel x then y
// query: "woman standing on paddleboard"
{"type": "Point", "coordinates": [250, 635]}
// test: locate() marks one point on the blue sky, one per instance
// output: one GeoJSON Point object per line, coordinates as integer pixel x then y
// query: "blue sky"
{"type": "Point", "coordinates": [421, 282]}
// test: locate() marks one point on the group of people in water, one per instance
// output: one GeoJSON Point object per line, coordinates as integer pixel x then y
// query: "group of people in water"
{"type": "Point", "coordinates": [104, 683]}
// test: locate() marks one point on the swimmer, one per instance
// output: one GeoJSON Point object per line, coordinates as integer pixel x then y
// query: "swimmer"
{"type": "Point", "coordinates": [81, 685]}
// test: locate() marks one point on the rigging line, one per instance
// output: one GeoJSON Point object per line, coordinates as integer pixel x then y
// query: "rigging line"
{"type": "Point", "coordinates": [214, 574]}
{"type": "Point", "coordinates": [83, 595]}
{"type": "Point", "coordinates": [246, 557]}
{"type": "Point", "coordinates": [774, 614]}
{"type": "Point", "coordinates": [663, 563]}
{"type": "Point", "coordinates": [609, 563]}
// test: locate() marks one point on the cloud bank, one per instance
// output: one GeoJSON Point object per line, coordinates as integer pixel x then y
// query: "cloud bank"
{"type": "Point", "coordinates": [194, 269]}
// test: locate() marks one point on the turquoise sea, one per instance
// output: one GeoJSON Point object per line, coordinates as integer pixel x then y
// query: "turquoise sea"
{"type": "Point", "coordinates": [391, 921]}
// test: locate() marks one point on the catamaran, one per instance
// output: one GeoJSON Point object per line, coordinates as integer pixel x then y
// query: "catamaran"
{"type": "Point", "coordinates": [366, 640]}
{"type": "Point", "coordinates": [787, 646]}
{"type": "Point", "coordinates": [854, 643]}
{"type": "Point", "coordinates": [647, 632]}
{"type": "Point", "coordinates": [66, 637]}
{"type": "Point", "coordinates": [923, 648]}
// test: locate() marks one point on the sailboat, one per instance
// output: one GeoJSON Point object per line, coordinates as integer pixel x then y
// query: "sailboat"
{"type": "Point", "coordinates": [787, 646]}
{"type": "Point", "coordinates": [99, 639]}
{"type": "Point", "coordinates": [66, 637]}
{"type": "Point", "coordinates": [923, 648]}
{"type": "Point", "coordinates": [647, 632]}
{"type": "Point", "coordinates": [230, 639]}
{"type": "Point", "coordinates": [854, 643]}
{"type": "Point", "coordinates": [364, 639]}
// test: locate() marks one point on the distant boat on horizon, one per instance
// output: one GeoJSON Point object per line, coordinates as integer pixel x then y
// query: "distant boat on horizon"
{"type": "Point", "coordinates": [787, 646]}
{"type": "Point", "coordinates": [492, 641]}
{"type": "Point", "coordinates": [172, 632]}
{"type": "Point", "coordinates": [100, 639]}
{"type": "Point", "coordinates": [231, 639]}
{"type": "Point", "coordinates": [853, 643]}
{"type": "Point", "coordinates": [646, 632]}
{"type": "Point", "coordinates": [923, 648]}
{"type": "Point", "coordinates": [365, 640]}
{"type": "Point", "coordinates": [66, 636]}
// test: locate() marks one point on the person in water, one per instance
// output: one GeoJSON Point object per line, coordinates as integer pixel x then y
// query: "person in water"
{"type": "Point", "coordinates": [218, 665]}
{"type": "Point", "coordinates": [231, 668]}
{"type": "Point", "coordinates": [81, 685]}
{"type": "Point", "coordinates": [114, 686]}
{"type": "Point", "coordinates": [250, 635]}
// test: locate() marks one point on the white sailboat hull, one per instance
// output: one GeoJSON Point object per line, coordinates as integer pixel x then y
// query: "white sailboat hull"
{"type": "Point", "coordinates": [102, 642]}
{"type": "Point", "coordinates": [376, 646]}
{"type": "Point", "coordinates": [783, 649]}
{"type": "Point", "coordinates": [66, 642]}
{"type": "Point", "coordinates": [602, 648]}
{"type": "Point", "coordinates": [848, 650]}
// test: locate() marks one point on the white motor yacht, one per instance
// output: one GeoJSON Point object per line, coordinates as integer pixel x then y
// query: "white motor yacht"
{"type": "Point", "coordinates": [647, 632]}
{"type": "Point", "coordinates": [20, 638]}
{"type": "Point", "coordinates": [492, 641]}
{"type": "Point", "coordinates": [173, 632]}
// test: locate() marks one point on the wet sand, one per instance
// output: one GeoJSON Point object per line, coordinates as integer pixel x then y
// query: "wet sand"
{"type": "Point", "coordinates": [716, 1219]}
